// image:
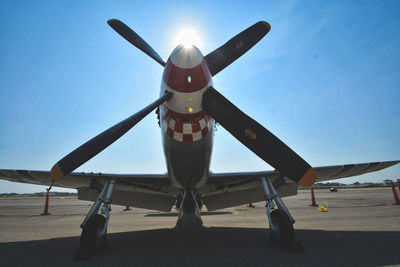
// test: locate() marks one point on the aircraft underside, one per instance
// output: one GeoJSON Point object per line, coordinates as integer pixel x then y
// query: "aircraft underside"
{"type": "Point", "coordinates": [188, 163]}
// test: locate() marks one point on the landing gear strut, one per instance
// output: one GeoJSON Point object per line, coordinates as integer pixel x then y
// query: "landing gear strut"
{"type": "Point", "coordinates": [280, 220]}
{"type": "Point", "coordinates": [189, 211]}
{"type": "Point", "coordinates": [94, 226]}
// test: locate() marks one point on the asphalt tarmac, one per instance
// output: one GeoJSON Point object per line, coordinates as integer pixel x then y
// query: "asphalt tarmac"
{"type": "Point", "coordinates": [360, 228]}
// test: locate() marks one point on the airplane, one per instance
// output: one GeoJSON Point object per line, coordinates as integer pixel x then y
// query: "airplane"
{"type": "Point", "coordinates": [187, 111]}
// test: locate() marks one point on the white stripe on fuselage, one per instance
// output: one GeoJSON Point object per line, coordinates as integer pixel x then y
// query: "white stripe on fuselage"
{"type": "Point", "coordinates": [182, 102]}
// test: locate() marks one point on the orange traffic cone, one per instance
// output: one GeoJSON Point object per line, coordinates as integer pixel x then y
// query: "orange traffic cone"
{"type": "Point", "coordinates": [313, 197]}
{"type": "Point", "coordinates": [46, 205]}
{"type": "Point", "coordinates": [396, 198]}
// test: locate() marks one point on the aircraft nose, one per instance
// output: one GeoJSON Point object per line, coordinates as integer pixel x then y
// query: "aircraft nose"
{"type": "Point", "coordinates": [186, 70]}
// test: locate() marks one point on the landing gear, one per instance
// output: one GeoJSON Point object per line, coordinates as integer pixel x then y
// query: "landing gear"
{"type": "Point", "coordinates": [189, 211]}
{"type": "Point", "coordinates": [283, 232]}
{"type": "Point", "coordinates": [280, 220]}
{"type": "Point", "coordinates": [91, 237]}
{"type": "Point", "coordinates": [94, 226]}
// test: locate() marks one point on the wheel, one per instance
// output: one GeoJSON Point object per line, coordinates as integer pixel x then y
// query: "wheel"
{"type": "Point", "coordinates": [90, 237]}
{"type": "Point", "coordinates": [284, 233]}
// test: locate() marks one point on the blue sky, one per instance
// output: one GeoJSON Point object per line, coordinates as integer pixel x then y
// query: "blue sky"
{"type": "Point", "coordinates": [325, 80]}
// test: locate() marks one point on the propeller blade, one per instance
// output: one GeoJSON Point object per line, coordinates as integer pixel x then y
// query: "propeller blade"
{"type": "Point", "coordinates": [258, 139]}
{"type": "Point", "coordinates": [220, 58]}
{"type": "Point", "coordinates": [97, 144]}
{"type": "Point", "coordinates": [135, 39]}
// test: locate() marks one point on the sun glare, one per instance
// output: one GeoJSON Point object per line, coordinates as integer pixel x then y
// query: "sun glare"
{"type": "Point", "coordinates": [188, 37]}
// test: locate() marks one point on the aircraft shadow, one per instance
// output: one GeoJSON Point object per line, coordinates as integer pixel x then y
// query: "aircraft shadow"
{"type": "Point", "coordinates": [214, 246]}
{"type": "Point", "coordinates": [175, 214]}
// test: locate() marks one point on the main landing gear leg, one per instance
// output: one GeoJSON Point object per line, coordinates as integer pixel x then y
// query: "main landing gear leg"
{"type": "Point", "coordinates": [280, 220]}
{"type": "Point", "coordinates": [94, 226]}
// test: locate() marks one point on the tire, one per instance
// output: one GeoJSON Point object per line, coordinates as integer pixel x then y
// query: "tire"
{"type": "Point", "coordinates": [284, 233]}
{"type": "Point", "coordinates": [90, 238]}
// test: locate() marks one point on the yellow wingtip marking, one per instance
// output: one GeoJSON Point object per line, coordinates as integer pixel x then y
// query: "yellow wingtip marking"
{"type": "Point", "coordinates": [308, 178]}
{"type": "Point", "coordinates": [56, 172]}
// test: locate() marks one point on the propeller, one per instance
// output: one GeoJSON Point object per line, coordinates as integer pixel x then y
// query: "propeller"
{"type": "Point", "coordinates": [258, 139]}
{"type": "Point", "coordinates": [221, 57]}
{"type": "Point", "coordinates": [249, 132]}
{"type": "Point", "coordinates": [135, 39]}
{"type": "Point", "coordinates": [97, 144]}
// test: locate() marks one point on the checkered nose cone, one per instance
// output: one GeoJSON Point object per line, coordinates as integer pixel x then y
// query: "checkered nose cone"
{"type": "Point", "coordinates": [187, 129]}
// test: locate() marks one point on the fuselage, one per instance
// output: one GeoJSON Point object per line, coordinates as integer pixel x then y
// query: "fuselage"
{"type": "Point", "coordinates": [187, 131]}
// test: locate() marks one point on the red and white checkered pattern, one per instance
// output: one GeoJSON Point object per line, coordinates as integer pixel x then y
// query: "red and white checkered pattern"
{"type": "Point", "coordinates": [187, 128]}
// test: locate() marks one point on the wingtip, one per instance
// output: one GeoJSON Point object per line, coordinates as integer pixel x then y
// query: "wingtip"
{"type": "Point", "coordinates": [56, 172]}
{"type": "Point", "coordinates": [308, 178]}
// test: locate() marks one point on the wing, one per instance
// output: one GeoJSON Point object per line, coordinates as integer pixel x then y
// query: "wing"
{"type": "Point", "coordinates": [348, 170]}
{"type": "Point", "coordinates": [142, 191]}
{"type": "Point", "coordinates": [233, 189]}
{"type": "Point", "coordinates": [223, 190]}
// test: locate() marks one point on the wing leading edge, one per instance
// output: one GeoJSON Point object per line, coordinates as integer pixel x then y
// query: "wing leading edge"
{"type": "Point", "coordinates": [324, 173]}
{"type": "Point", "coordinates": [80, 179]}
{"type": "Point", "coordinates": [343, 171]}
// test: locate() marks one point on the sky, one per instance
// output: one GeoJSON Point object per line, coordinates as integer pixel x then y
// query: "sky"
{"type": "Point", "coordinates": [325, 80]}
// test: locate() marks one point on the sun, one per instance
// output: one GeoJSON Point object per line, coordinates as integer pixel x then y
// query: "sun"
{"type": "Point", "coordinates": [188, 37]}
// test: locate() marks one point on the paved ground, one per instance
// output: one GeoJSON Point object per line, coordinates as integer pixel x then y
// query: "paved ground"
{"type": "Point", "coordinates": [361, 228]}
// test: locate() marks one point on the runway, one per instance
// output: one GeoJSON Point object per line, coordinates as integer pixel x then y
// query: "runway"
{"type": "Point", "coordinates": [361, 228]}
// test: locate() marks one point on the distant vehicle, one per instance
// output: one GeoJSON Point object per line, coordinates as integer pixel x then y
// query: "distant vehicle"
{"type": "Point", "coordinates": [333, 189]}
